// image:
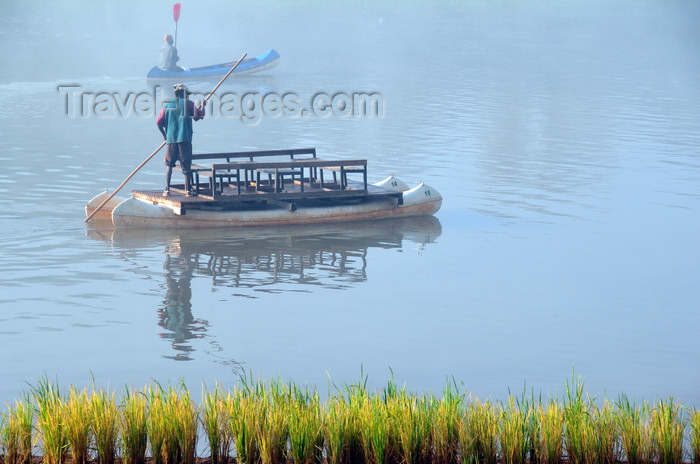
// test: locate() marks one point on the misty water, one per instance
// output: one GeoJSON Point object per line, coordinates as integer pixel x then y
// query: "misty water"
{"type": "Point", "coordinates": [563, 136]}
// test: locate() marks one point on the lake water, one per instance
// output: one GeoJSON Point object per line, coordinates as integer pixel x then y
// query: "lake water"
{"type": "Point", "coordinates": [563, 136]}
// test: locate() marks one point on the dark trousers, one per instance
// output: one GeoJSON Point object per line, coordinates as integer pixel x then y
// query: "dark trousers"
{"type": "Point", "coordinates": [179, 152]}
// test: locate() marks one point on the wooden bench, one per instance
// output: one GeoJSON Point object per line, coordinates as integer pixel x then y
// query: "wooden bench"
{"type": "Point", "coordinates": [344, 170]}
{"type": "Point", "coordinates": [278, 170]}
{"type": "Point", "coordinates": [276, 177]}
{"type": "Point", "coordinates": [217, 177]}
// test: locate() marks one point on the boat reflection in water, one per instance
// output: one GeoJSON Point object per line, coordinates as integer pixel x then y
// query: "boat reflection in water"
{"type": "Point", "coordinates": [261, 260]}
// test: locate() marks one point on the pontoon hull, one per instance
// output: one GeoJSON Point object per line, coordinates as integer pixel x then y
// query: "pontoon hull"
{"type": "Point", "coordinates": [419, 201]}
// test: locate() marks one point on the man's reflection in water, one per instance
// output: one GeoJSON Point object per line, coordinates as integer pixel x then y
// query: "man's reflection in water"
{"type": "Point", "coordinates": [176, 314]}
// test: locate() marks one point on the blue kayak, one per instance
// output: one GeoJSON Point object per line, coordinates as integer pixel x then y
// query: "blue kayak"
{"type": "Point", "coordinates": [259, 63]}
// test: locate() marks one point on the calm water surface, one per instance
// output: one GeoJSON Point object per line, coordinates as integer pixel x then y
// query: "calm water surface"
{"type": "Point", "coordinates": [563, 136]}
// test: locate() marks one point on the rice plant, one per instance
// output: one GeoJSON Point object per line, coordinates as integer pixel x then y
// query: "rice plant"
{"type": "Point", "coordinates": [694, 439]}
{"type": "Point", "coordinates": [515, 432]}
{"type": "Point", "coordinates": [336, 428]}
{"type": "Point", "coordinates": [9, 440]}
{"type": "Point", "coordinates": [633, 428]}
{"type": "Point", "coordinates": [172, 425]}
{"type": "Point", "coordinates": [239, 408]}
{"type": "Point", "coordinates": [156, 425]}
{"type": "Point", "coordinates": [357, 397]}
{"type": "Point", "coordinates": [215, 421]}
{"type": "Point", "coordinates": [305, 427]}
{"type": "Point", "coordinates": [577, 420]}
{"type": "Point", "coordinates": [412, 426]}
{"type": "Point", "coordinates": [50, 421]}
{"type": "Point", "coordinates": [468, 444]}
{"type": "Point", "coordinates": [479, 432]}
{"type": "Point", "coordinates": [666, 430]}
{"type": "Point", "coordinates": [183, 422]}
{"type": "Point", "coordinates": [270, 422]}
{"type": "Point", "coordinates": [602, 443]}
{"type": "Point", "coordinates": [375, 430]}
{"type": "Point", "coordinates": [16, 432]}
{"type": "Point", "coordinates": [104, 419]}
{"type": "Point", "coordinates": [133, 427]}
{"type": "Point", "coordinates": [548, 441]}
{"type": "Point", "coordinates": [446, 425]}
{"type": "Point", "coordinates": [24, 418]}
{"type": "Point", "coordinates": [78, 421]}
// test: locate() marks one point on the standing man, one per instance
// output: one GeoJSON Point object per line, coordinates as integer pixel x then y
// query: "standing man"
{"type": "Point", "coordinates": [175, 123]}
{"type": "Point", "coordinates": [168, 55]}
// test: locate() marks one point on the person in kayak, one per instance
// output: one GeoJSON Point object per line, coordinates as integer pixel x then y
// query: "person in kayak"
{"type": "Point", "coordinates": [168, 55]}
{"type": "Point", "coordinates": [175, 123]}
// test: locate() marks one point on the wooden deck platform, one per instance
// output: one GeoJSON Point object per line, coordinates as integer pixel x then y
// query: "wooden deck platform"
{"type": "Point", "coordinates": [252, 197]}
{"type": "Point", "coordinates": [273, 178]}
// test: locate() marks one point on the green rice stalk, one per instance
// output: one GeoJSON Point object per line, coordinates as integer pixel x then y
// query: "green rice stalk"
{"type": "Point", "coordinates": [171, 445]}
{"type": "Point", "coordinates": [156, 426]}
{"type": "Point", "coordinates": [211, 422]}
{"type": "Point", "coordinates": [412, 426]}
{"type": "Point", "coordinates": [666, 429]}
{"type": "Point", "coordinates": [239, 407]}
{"type": "Point", "coordinates": [215, 422]}
{"type": "Point", "coordinates": [188, 427]}
{"type": "Point", "coordinates": [603, 445]}
{"type": "Point", "coordinates": [305, 427]}
{"type": "Point", "coordinates": [24, 417]}
{"type": "Point", "coordinates": [694, 422]}
{"type": "Point", "coordinates": [400, 415]}
{"type": "Point", "coordinates": [16, 432]}
{"type": "Point", "coordinates": [181, 423]}
{"type": "Point", "coordinates": [468, 445]}
{"type": "Point", "coordinates": [549, 439]}
{"type": "Point", "coordinates": [375, 422]}
{"type": "Point", "coordinates": [336, 415]}
{"type": "Point", "coordinates": [50, 422]}
{"type": "Point", "coordinates": [133, 427]}
{"type": "Point", "coordinates": [577, 423]}
{"type": "Point", "coordinates": [446, 424]}
{"type": "Point", "coordinates": [357, 397]}
{"type": "Point", "coordinates": [104, 419]}
{"type": "Point", "coordinates": [342, 426]}
{"type": "Point", "coordinates": [78, 420]}
{"type": "Point", "coordinates": [634, 433]}
{"type": "Point", "coordinates": [424, 418]}
{"type": "Point", "coordinates": [9, 439]}
{"type": "Point", "coordinates": [270, 429]}
{"type": "Point", "coordinates": [479, 432]}
{"type": "Point", "coordinates": [514, 433]}
{"type": "Point", "coordinates": [391, 394]}
{"type": "Point", "coordinates": [172, 425]}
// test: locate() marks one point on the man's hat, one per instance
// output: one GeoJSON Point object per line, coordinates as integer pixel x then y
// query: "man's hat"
{"type": "Point", "coordinates": [181, 88]}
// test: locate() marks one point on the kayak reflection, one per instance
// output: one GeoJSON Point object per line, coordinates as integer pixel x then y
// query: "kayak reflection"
{"type": "Point", "coordinates": [256, 261]}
